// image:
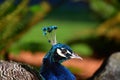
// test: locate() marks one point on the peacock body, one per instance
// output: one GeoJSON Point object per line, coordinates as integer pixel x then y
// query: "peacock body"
{"type": "Point", "coordinates": [10, 70]}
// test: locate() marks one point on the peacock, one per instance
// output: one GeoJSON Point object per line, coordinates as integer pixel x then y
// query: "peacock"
{"type": "Point", "coordinates": [51, 68]}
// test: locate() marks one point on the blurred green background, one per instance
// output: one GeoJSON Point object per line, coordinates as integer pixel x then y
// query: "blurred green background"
{"type": "Point", "coordinates": [82, 22]}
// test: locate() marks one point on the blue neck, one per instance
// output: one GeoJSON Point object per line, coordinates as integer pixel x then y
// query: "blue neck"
{"type": "Point", "coordinates": [55, 71]}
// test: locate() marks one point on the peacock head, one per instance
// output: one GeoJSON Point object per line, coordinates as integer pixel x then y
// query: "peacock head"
{"type": "Point", "coordinates": [59, 52]}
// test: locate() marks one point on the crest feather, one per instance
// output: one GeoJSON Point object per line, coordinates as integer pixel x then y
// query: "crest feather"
{"type": "Point", "coordinates": [49, 32]}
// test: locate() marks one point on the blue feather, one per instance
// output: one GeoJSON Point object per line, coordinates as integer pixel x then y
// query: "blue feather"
{"type": "Point", "coordinates": [55, 71]}
{"type": "Point", "coordinates": [52, 69]}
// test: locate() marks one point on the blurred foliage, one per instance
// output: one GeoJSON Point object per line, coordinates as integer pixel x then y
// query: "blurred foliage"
{"type": "Point", "coordinates": [110, 28]}
{"type": "Point", "coordinates": [17, 19]}
{"type": "Point", "coordinates": [105, 8]}
{"type": "Point", "coordinates": [105, 40]}
{"type": "Point", "coordinates": [32, 46]}
{"type": "Point", "coordinates": [82, 49]}
{"type": "Point", "coordinates": [109, 10]}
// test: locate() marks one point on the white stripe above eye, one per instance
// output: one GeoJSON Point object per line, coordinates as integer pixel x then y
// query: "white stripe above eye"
{"type": "Point", "coordinates": [69, 52]}
{"type": "Point", "coordinates": [60, 53]}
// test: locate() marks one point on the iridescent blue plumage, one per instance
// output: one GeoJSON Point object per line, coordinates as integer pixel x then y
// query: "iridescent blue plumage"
{"type": "Point", "coordinates": [51, 68]}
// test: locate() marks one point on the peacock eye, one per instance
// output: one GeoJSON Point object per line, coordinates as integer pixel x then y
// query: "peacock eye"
{"type": "Point", "coordinates": [64, 51]}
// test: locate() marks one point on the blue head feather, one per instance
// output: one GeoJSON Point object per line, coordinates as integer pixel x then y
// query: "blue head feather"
{"type": "Point", "coordinates": [55, 57]}
{"type": "Point", "coordinates": [52, 68]}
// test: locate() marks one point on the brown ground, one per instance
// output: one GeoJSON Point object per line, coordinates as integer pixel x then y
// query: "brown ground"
{"type": "Point", "coordinates": [87, 66]}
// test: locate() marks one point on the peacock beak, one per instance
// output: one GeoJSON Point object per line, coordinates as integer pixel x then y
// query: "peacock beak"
{"type": "Point", "coordinates": [76, 56]}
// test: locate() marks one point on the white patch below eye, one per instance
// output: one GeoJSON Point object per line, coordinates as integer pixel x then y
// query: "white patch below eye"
{"type": "Point", "coordinates": [60, 53]}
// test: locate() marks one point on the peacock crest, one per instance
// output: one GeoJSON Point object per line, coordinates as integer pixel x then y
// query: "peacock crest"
{"type": "Point", "coordinates": [50, 33]}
